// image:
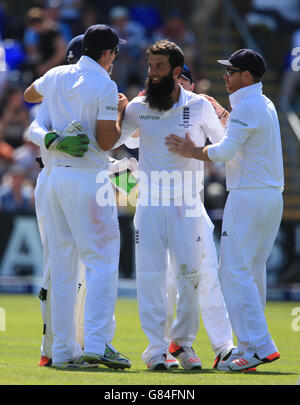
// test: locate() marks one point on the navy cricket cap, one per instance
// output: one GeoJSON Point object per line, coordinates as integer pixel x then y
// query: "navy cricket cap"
{"type": "Point", "coordinates": [246, 59]}
{"type": "Point", "coordinates": [74, 49]}
{"type": "Point", "coordinates": [98, 38]}
{"type": "Point", "coordinates": [186, 73]}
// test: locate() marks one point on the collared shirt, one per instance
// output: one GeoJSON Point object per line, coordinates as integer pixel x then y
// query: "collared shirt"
{"type": "Point", "coordinates": [83, 92]}
{"type": "Point", "coordinates": [251, 147]}
{"type": "Point", "coordinates": [192, 114]}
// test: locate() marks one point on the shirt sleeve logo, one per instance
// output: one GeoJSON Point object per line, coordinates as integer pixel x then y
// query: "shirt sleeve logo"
{"type": "Point", "coordinates": [236, 121]}
{"type": "Point", "coordinates": [111, 108]}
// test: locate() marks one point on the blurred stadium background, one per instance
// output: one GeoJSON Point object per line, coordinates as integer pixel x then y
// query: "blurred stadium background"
{"type": "Point", "coordinates": [33, 38]}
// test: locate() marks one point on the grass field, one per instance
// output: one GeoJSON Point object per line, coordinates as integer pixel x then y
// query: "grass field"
{"type": "Point", "coordinates": [20, 343]}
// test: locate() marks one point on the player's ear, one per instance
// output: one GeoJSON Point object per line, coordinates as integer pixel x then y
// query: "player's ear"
{"type": "Point", "coordinates": [177, 72]}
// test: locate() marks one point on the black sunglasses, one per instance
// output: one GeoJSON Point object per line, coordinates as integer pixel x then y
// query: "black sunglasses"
{"type": "Point", "coordinates": [230, 71]}
{"type": "Point", "coordinates": [116, 49]}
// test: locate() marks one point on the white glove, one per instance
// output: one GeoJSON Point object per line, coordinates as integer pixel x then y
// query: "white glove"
{"type": "Point", "coordinates": [123, 164]}
{"type": "Point", "coordinates": [74, 128]}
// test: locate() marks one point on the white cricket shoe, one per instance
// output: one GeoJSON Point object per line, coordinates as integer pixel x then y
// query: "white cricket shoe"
{"type": "Point", "coordinates": [186, 356]}
{"type": "Point", "coordinates": [171, 361]}
{"type": "Point", "coordinates": [75, 364]}
{"type": "Point", "coordinates": [110, 358]}
{"type": "Point", "coordinates": [158, 363]}
{"type": "Point", "coordinates": [222, 357]}
{"type": "Point", "coordinates": [244, 363]}
{"type": "Point", "coordinates": [223, 365]}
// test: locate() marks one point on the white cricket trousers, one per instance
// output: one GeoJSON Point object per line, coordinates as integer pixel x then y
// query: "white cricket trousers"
{"type": "Point", "coordinates": [250, 225]}
{"type": "Point", "coordinates": [159, 231]}
{"type": "Point", "coordinates": [212, 305]}
{"type": "Point", "coordinates": [40, 209]}
{"type": "Point", "coordinates": [76, 222]}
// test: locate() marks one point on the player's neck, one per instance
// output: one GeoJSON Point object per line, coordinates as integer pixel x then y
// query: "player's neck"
{"type": "Point", "coordinates": [176, 93]}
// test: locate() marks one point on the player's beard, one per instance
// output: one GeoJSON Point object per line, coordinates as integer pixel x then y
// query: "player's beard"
{"type": "Point", "coordinates": [159, 95]}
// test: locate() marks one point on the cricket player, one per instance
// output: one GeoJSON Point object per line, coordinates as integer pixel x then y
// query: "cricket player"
{"type": "Point", "coordinates": [73, 54]}
{"type": "Point", "coordinates": [252, 151]}
{"type": "Point", "coordinates": [162, 220]}
{"type": "Point", "coordinates": [212, 305]}
{"type": "Point", "coordinates": [86, 93]}
{"type": "Point", "coordinates": [36, 135]}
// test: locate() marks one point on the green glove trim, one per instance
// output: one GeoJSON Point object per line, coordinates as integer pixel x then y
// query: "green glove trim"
{"type": "Point", "coordinates": [50, 137]}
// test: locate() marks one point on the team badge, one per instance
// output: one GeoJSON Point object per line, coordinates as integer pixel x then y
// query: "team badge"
{"type": "Point", "coordinates": [185, 118]}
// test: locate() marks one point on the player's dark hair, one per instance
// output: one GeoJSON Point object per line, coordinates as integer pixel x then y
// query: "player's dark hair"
{"type": "Point", "coordinates": [255, 78]}
{"type": "Point", "coordinates": [170, 49]}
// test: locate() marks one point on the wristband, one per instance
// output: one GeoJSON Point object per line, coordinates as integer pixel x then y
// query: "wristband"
{"type": "Point", "coordinates": [223, 115]}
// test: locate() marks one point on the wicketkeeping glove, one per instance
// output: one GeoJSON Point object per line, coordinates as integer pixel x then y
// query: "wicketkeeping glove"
{"type": "Point", "coordinates": [72, 140]}
{"type": "Point", "coordinates": [123, 164]}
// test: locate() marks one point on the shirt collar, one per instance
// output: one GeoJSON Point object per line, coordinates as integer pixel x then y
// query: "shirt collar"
{"type": "Point", "coordinates": [244, 92]}
{"type": "Point", "coordinates": [182, 100]}
{"type": "Point", "coordinates": [88, 63]}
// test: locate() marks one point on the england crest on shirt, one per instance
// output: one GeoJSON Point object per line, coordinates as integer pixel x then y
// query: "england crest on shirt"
{"type": "Point", "coordinates": [185, 118]}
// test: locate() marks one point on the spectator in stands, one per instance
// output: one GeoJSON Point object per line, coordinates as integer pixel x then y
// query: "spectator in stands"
{"type": "Point", "coordinates": [25, 156]}
{"type": "Point", "coordinates": [70, 13]}
{"type": "Point", "coordinates": [14, 118]}
{"type": "Point", "coordinates": [6, 157]}
{"type": "Point", "coordinates": [89, 17]}
{"type": "Point", "coordinates": [33, 20]}
{"type": "Point", "coordinates": [15, 195]}
{"type": "Point", "coordinates": [131, 59]}
{"type": "Point", "coordinates": [44, 42]}
{"type": "Point", "coordinates": [175, 29]}
{"type": "Point", "coordinates": [52, 12]}
{"type": "Point", "coordinates": [147, 15]}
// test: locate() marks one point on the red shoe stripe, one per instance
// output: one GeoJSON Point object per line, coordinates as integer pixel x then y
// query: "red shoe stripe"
{"type": "Point", "coordinates": [216, 362]}
{"type": "Point", "coordinates": [194, 360]}
{"type": "Point", "coordinates": [272, 357]}
{"type": "Point", "coordinates": [241, 362]}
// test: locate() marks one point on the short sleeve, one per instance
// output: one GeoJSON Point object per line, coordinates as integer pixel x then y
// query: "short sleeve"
{"type": "Point", "coordinates": [108, 103]}
{"type": "Point", "coordinates": [128, 129]}
{"type": "Point", "coordinates": [42, 84]}
{"type": "Point", "coordinates": [129, 123]}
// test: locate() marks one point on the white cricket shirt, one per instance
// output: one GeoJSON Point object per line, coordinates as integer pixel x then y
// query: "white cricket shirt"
{"type": "Point", "coordinates": [251, 147]}
{"type": "Point", "coordinates": [83, 92]}
{"type": "Point", "coordinates": [192, 114]}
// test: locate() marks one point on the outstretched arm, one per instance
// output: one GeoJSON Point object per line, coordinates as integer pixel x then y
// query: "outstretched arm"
{"type": "Point", "coordinates": [185, 147]}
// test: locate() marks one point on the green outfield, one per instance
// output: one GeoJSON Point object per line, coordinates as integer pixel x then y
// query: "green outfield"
{"type": "Point", "coordinates": [20, 343]}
